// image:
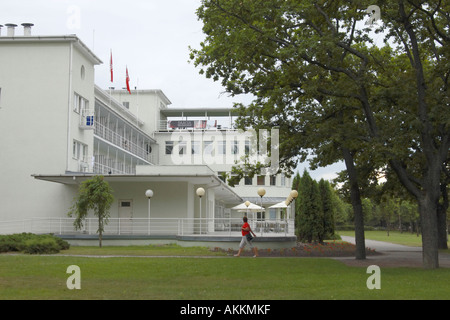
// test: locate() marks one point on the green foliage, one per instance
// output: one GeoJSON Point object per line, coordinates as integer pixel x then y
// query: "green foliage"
{"type": "Point", "coordinates": [94, 194]}
{"type": "Point", "coordinates": [326, 196]}
{"type": "Point", "coordinates": [330, 89]}
{"type": "Point", "coordinates": [130, 278]}
{"type": "Point", "coordinates": [309, 217]}
{"type": "Point", "coordinates": [32, 244]}
{"type": "Point", "coordinates": [317, 208]}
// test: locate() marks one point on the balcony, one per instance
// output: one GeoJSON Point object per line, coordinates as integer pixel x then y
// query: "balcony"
{"type": "Point", "coordinates": [105, 165]}
{"type": "Point", "coordinates": [120, 141]}
{"type": "Point", "coordinates": [86, 119]}
{"type": "Point", "coordinates": [196, 125]}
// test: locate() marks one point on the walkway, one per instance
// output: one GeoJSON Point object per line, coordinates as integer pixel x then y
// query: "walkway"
{"type": "Point", "coordinates": [392, 255]}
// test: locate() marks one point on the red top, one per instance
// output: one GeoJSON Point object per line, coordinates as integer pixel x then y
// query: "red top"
{"type": "Point", "coordinates": [245, 225]}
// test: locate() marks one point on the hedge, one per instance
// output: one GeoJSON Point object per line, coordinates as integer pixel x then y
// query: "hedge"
{"type": "Point", "coordinates": [32, 243]}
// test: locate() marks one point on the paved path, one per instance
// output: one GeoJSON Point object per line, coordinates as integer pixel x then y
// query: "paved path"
{"type": "Point", "coordinates": [393, 255]}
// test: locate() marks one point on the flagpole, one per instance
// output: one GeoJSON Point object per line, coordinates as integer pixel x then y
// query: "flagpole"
{"type": "Point", "coordinates": [137, 102]}
{"type": "Point", "coordinates": [112, 78]}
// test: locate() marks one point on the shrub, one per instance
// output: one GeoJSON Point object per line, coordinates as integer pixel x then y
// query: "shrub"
{"type": "Point", "coordinates": [41, 246]}
{"type": "Point", "coordinates": [32, 244]}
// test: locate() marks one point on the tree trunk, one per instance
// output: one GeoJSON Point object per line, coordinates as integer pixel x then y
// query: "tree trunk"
{"type": "Point", "coordinates": [428, 218]}
{"type": "Point", "coordinates": [442, 218]}
{"type": "Point", "coordinates": [355, 196]}
{"type": "Point", "coordinates": [100, 232]}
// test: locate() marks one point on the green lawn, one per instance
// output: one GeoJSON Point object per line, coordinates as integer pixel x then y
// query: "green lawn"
{"type": "Point", "coordinates": [153, 250]}
{"type": "Point", "coordinates": [222, 278]}
{"type": "Point", "coordinates": [405, 238]}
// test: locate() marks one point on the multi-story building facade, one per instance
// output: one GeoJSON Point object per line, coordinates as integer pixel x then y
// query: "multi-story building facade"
{"type": "Point", "coordinates": [57, 129]}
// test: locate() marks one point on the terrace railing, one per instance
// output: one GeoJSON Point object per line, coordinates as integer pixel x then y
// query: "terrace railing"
{"type": "Point", "coordinates": [153, 226]}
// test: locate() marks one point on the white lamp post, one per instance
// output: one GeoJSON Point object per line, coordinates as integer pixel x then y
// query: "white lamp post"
{"type": "Point", "coordinates": [149, 195]}
{"type": "Point", "coordinates": [261, 193]}
{"type": "Point", "coordinates": [294, 196]}
{"type": "Point", "coordinates": [200, 194]}
{"type": "Point", "coordinates": [247, 203]}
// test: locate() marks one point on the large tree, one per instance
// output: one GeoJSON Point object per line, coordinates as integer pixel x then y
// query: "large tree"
{"type": "Point", "coordinates": [300, 58]}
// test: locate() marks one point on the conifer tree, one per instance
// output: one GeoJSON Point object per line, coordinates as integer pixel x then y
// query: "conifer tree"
{"type": "Point", "coordinates": [326, 197]}
{"type": "Point", "coordinates": [309, 217]}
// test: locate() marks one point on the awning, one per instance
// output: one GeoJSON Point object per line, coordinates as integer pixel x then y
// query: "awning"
{"type": "Point", "coordinates": [252, 207]}
{"type": "Point", "coordinates": [196, 175]}
{"type": "Point", "coordinates": [281, 204]}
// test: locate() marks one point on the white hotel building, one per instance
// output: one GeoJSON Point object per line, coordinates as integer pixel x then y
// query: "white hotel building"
{"type": "Point", "coordinates": [57, 129]}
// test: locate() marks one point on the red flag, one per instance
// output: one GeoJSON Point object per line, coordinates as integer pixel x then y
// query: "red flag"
{"type": "Point", "coordinates": [111, 68]}
{"type": "Point", "coordinates": [128, 82]}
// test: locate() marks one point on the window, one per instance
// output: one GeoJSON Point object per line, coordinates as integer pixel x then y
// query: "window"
{"type": "Point", "coordinates": [208, 147]}
{"type": "Point", "coordinates": [83, 73]}
{"type": "Point", "coordinates": [247, 147]}
{"type": "Point", "coordinates": [195, 147]}
{"type": "Point", "coordinates": [222, 147]}
{"type": "Point", "coordinates": [126, 104]}
{"type": "Point", "coordinates": [79, 151]}
{"type": "Point", "coordinates": [80, 104]}
{"type": "Point", "coordinates": [235, 147]}
{"type": "Point", "coordinates": [222, 176]}
{"type": "Point", "coordinates": [272, 214]}
{"type": "Point", "coordinates": [261, 180]}
{"type": "Point", "coordinates": [169, 147]}
{"type": "Point", "coordinates": [283, 180]}
{"type": "Point", "coordinates": [248, 181]}
{"type": "Point", "coordinates": [273, 180]}
{"type": "Point", "coordinates": [182, 147]}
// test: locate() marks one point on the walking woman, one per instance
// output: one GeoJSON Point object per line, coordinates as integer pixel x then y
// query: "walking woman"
{"type": "Point", "coordinates": [247, 239]}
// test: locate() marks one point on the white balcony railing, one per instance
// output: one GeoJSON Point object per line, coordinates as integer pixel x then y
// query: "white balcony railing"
{"type": "Point", "coordinates": [153, 226]}
{"type": "Point", "coordinates": [113, 168]}
{"type": "Point", "coordinates": [195, 125]}
{"type": "Point", "coordinates": [86, 119]}
{"type": "Point", "coordinates": [122, 142]}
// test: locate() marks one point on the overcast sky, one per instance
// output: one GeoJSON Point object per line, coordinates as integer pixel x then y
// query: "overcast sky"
{"type": "Point", "coordinates": [150, 37]}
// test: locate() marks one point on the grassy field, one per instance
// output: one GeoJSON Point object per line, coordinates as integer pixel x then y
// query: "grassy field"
{"type": "Point", "coordinates": [209, 278]}
{"type": "Point", "coordinates": [405, 238]}
{"type": "Point", "coordinates": [154, 250]}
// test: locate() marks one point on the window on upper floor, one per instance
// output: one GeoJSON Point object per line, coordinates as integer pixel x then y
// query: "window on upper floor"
{"type": "Point", "coordinates": [182, 147]}
{"type": "Point", "coordinates": [79, 103]}
{"type": "Point", "coordinates": [148, 148]}
{"type": "Point", "coordinates": [126, 104]}
{"type": "Point", "coordinates": [222, 147]}
{"type": "Point", "coordinates": [235, 147]}
{"type": "Point", "coordinates": [273, 180]}
{"type": "Point", "coordinates": [195, 147]}
{"type": "Point", "coordinates": [247, 147]}
{"type": "Point", "coordinates": [283, 180]}
{"type": "Point", "coordinates": [169, 147]}
{"type": "Point", "coordinates": [261, 180]}
{"type": "Point", "coordinates": [222, 176]}
{"type": "Point", "coordinates": [248, 181]}
{"type": "Point", "coordinates": [208, 148]}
